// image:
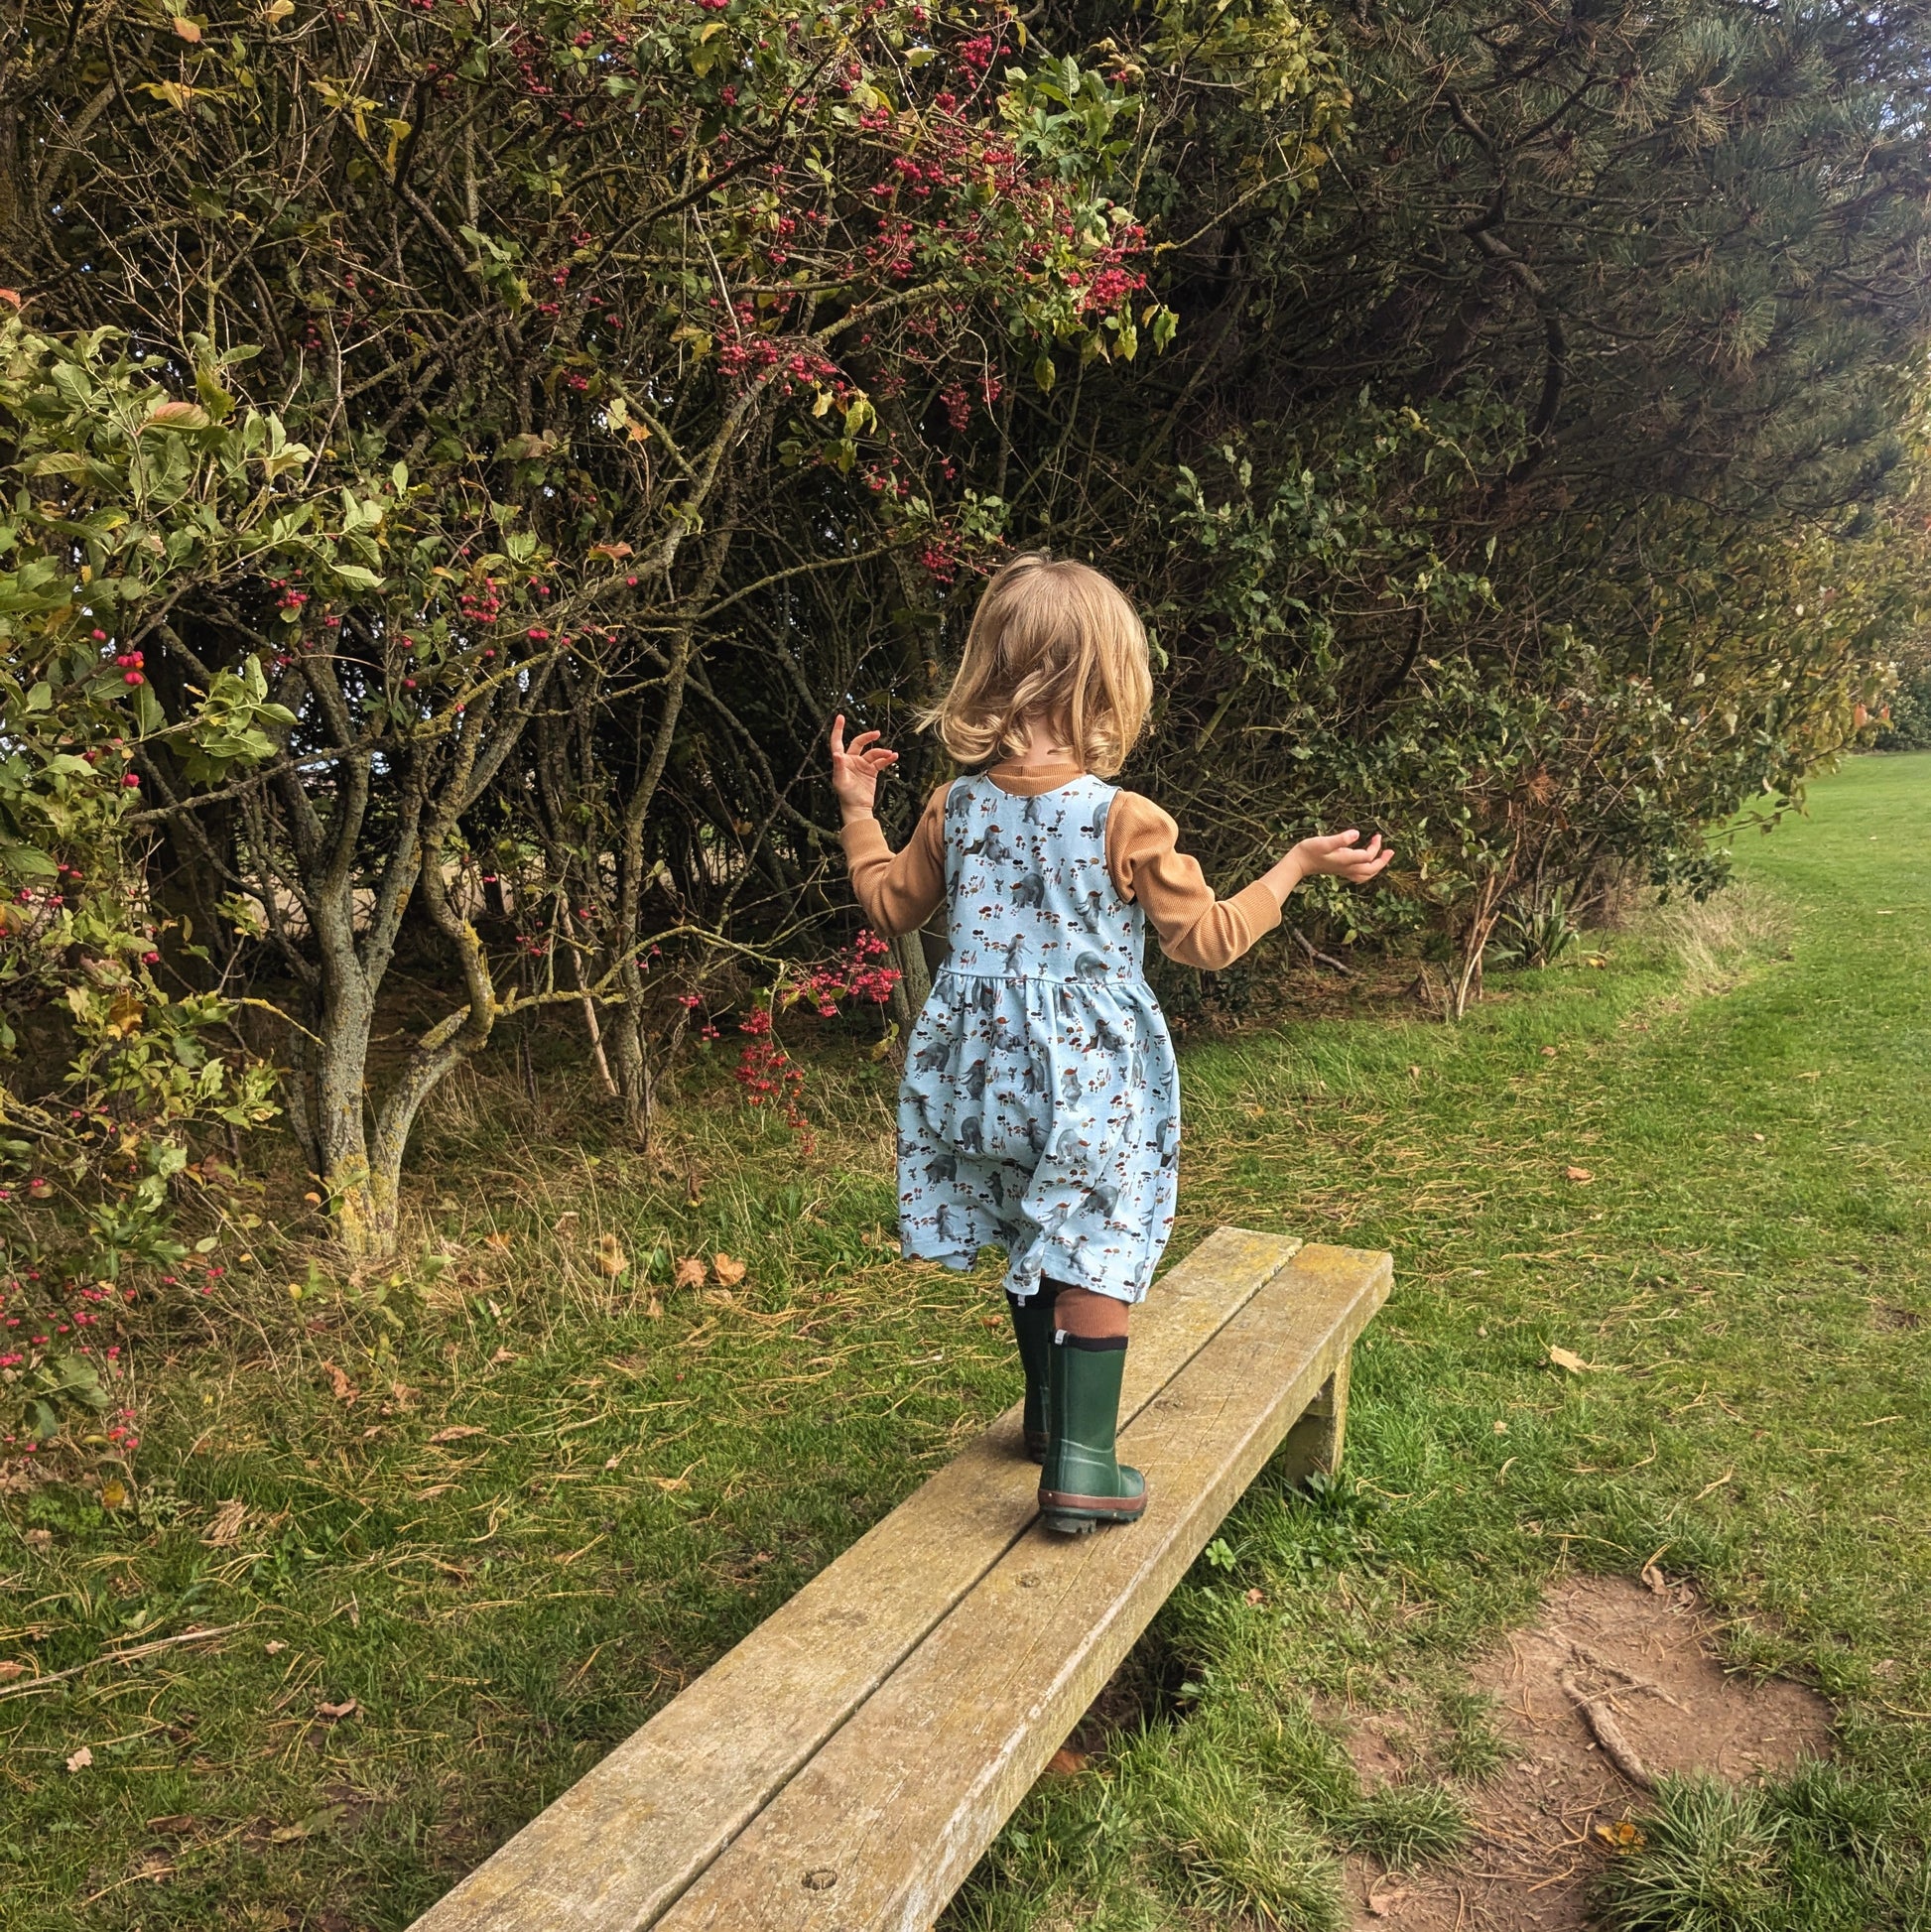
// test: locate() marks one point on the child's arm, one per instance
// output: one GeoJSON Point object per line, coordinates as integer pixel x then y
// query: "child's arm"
{"type": "Point", "coordinates": [1195, 927]}
{"type": "Point", "coordinates": [899, 891]}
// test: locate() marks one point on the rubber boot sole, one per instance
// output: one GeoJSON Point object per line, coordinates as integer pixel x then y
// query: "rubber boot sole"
{"type": "Point", "coordinates": [1077, 1515]}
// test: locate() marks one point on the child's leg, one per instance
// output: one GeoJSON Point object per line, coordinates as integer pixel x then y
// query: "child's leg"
{"type": "Point", "coordinates": [1083, 1482]}
{"type": "Point", "coordinates": [1054, 1306]}
{"type": "Point", "coordinates": [1079, 1311]}
{"type": "Point", "coordinates": [1033, 1321]}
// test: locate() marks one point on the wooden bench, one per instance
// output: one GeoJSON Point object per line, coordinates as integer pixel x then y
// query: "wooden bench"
{"type": "Point", "coordinates": [845, 1765]}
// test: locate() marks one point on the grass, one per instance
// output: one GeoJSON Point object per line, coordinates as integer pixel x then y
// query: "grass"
{"type": "Point", "coordinates": [618, 1494]}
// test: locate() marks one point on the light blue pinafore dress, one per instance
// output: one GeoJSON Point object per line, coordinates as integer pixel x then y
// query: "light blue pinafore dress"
{"type": "Point", "coordinates": [1040, 1110]}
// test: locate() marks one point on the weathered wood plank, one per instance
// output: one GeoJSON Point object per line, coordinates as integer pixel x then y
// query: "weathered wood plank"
{"type": "Point", "coordinates": [878, 1830]}
{"type": "Point", "coordinates": [617, 1848]}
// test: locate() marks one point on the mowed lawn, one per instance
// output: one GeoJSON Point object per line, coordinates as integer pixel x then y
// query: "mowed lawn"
{"type": "Point", "coordinates": [473, 1525]}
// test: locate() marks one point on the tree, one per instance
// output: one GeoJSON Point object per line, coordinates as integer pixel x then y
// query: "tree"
{"type": "Point", "coordinates": [121, 502]}
{"type": "Point", "coordinates": [545, 289]}
{"type": "Point", "coordinates": [1526, 466]}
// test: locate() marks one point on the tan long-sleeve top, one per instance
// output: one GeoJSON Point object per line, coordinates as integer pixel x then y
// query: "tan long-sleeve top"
{"type": "Point", "coordinates": [900, 891]}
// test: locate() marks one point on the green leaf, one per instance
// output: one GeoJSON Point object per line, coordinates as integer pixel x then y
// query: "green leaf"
{"type": "Point", "coordinates": [218, 403]}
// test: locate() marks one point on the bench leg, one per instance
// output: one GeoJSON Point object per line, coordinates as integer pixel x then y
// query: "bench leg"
{"type": "Point", "coordinates": [1315, 1442]}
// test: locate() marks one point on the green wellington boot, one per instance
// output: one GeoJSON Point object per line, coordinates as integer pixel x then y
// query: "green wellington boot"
{"type": "Point", "coordinates": [1032, 1329]}
{"type": "Point", "coordinates": [1082, 1483]}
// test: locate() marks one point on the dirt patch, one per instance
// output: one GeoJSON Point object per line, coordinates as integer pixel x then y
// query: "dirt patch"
{"type": "Point", "coordinates": [1611, 1670]}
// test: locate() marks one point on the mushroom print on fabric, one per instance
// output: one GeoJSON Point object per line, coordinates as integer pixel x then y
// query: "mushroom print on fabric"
{"type": "Point", "coordinates": [1040, 1110]}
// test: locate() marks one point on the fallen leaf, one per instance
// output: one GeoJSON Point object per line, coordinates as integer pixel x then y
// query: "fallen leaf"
{"type": "Point", "coordinates": [655, 1311]}
{"type": "Point", "coordinates": [286, 1834]}
{"type": "Point", "coordinates": [334, 1713]}
{"type": "Point", "coordinates": [500, 1243]}
{"type": "Point", "coordinates": [37, 1540]}
{"type": "Point", "coordinates": [187, 29]}
{"type": "Point", "coordinates": [1580, 1175]}
{"type": "Point", "coordinates": [278, 10]}
{"type": "Point", "coordinates": [273, 1647]}
{"type": "Point", "coordinates": [1384, 1904]}
{"type": "Point", "coordinates": [688, 1273]}
{"type": "Point", "coordinates": [1548, 1052]}
{"type": "Point", "coordinates": [176, 1822]}
{"type": "Point", "coordinates": [727, 1271]}
{"type": "Point", "coordinates": [612, 1260]}
{"type": "Point", "coordinates": [225, 1527]}
{"type": "Point", "coordinates": [80, 1759]}
{"type": "Point", "coordinates": [313, 1199]}
{"type": "Point", "coordinates": [670, 1483]}
{"type": "Point", "coordinates": [1066, 1762]}
{"type": "Point", "coordinates": [502, 1355]}
{"type": "Point", "coordinates": [1654, 1579]}
{"type": "Point", "coordinates": [456, 1431]}
{"type": "Point", "coordinates": [1624, 1835]}
{"type": "Point", "coordinates": [346, 1391]}
{"type": "Point", "coordinates": [719, 1298]}
{"type": "Point", "coordinates": [1564, 1358]}
{"type": "Point", "coordinates": [1257, 1597]}
{"type": "Point", "coordinates": [611, 1461]}
{"type": "Point", "coordinates": [113, 1494]}
{"type": "Point", "coordinates": [10, 295]}
{"type": "Point", "coordinates": [10, 1668]}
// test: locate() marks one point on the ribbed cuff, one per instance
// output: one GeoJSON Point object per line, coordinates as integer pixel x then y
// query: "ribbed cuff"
{"type": "Point", "coordinates": [864, 839]}
{"type": "Point", "coordinates": [1259, 910]}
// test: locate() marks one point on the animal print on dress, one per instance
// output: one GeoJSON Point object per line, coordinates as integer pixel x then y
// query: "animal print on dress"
{"type": "Point", "coordinates": [1040, 1109]}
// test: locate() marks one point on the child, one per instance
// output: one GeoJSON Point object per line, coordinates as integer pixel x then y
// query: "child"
{"type": "Point", "coordinates": [1040, 1109]}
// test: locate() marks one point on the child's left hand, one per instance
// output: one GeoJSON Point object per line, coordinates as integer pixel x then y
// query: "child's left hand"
{"type": "Point", "coordinates": [1341, 856]}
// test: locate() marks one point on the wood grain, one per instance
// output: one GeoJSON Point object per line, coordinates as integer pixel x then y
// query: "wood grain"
{"type": "Point", "coordinates": [879, 1829]}
{"type": "Point", "coordinates": [625, 1841]}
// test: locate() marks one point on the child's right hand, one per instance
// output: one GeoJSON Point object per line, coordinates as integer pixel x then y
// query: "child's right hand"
{"type": "Point", "coordinates": [1339, 855]}
{"type": "Point", "coordinates": [856, 768]}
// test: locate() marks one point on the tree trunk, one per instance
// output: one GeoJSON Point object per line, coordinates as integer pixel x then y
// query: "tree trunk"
{"type": "Point", "coordinates": [914, 985]}
{"type": "Point", "coordinates": [364, 1220]}
{"type": "Point", "coordinates": [635, 1077]}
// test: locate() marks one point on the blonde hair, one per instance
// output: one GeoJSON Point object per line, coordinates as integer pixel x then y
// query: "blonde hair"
{"type": "Point", "coordinates": [1054, 641]}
